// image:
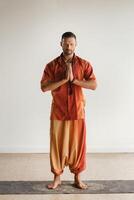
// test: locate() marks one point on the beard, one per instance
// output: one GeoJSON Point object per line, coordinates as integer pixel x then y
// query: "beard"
{"type": "Point", "coordinates": [68, 52]}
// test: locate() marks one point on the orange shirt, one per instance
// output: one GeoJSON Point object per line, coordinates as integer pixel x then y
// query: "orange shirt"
{"type": "Point", "coordinates": [66, 106]}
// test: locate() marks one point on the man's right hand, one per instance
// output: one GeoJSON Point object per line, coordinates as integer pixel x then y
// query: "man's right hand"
{"type": "Point", "coordinates": [67, 76]}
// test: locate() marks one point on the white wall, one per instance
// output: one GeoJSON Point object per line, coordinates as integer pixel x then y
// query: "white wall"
{"type": "Point", "coordinates": [30, 32]}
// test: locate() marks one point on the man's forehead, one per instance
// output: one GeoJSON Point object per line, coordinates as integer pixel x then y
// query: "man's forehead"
{"type": "Point", "coordinates": [69, 39]}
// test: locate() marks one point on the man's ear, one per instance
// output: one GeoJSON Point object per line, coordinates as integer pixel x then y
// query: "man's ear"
{"type": "Point", "coordinates": [60, 43]}
{"type": "Point", "coordinates": [76, 43]}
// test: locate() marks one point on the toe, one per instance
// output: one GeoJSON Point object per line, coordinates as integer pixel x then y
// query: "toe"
{"type": "Point", "coordinates": [50, 186]}
{"type": "Point", "coordinates": [53, 185]}
{"type": "Point", "coordinates": [84, 186]}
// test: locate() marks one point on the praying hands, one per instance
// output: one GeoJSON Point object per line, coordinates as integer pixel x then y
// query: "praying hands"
{"type": "Point", "coordinates": [69, 72]}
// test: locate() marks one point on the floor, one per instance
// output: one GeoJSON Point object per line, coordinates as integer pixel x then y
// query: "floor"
{"type": "Point", "coordinates": [36, 167]}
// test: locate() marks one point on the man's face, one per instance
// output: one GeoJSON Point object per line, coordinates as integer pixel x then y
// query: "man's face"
{"type": "Point", "coordinates": [68, 45]}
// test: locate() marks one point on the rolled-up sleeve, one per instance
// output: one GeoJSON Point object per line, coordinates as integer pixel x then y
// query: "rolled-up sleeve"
{"type": "Point", "coordinates": [88, 72]}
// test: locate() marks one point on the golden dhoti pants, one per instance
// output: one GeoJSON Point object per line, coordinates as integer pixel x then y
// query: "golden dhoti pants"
{"type": "Point", "coordinates": [67, 145]}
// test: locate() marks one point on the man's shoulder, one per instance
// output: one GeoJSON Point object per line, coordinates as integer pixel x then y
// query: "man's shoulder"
{"type": "Point", "coordinates": [53, 61]}
{"type": "Point", "coordinates": [51, 64]}
{"type": "Point", "coordinates": [82, 60]}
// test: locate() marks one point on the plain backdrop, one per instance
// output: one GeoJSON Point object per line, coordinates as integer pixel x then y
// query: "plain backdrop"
{"type": "Point", "coordinates": [30, 33]}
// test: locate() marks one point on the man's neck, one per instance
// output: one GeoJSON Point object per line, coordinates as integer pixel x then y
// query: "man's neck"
{"type": "Point", "coordinates": [68, 57]}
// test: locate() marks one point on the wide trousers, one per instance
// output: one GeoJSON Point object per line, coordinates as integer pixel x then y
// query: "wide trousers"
{"type": "Point", "coordinates": [67, 145]}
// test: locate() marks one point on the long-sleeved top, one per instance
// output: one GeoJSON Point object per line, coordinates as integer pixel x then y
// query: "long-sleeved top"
{"type": "Point", "coordinates": [68, 100]}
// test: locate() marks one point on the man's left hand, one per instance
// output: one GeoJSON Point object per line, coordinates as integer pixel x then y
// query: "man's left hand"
{"type": "Point", "coordinates": [71, 73]}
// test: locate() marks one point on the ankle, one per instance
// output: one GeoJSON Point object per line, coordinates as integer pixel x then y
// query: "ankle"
{"type": "Point", "coordinates": [77, 176]}
{"type": "Point", "coordinates": [57, 176]}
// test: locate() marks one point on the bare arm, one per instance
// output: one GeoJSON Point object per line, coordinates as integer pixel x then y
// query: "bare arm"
{"type": "Point", "coordinates": [91, 84]}
{"type": "Point", "coordinates": [52, 85]}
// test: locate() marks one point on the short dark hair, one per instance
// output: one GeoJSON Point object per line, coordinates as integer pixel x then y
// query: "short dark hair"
{"type": "Point", "coordinates": [67, 35]}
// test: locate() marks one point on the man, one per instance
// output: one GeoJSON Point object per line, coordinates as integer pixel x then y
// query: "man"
{"type": "Point", "coordinates": [65, 76]}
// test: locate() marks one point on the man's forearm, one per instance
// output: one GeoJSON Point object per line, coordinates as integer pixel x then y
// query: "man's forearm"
{"type": "Point", "coordinates": [52, 85]}
{"type": "Point", "coordinates": [91, 84]}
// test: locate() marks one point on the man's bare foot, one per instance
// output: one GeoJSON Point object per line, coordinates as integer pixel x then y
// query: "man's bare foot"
{"type": "Point", "coordinates": [79, 184]}
{"type": "Point", "coordinates": [55, 183]}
